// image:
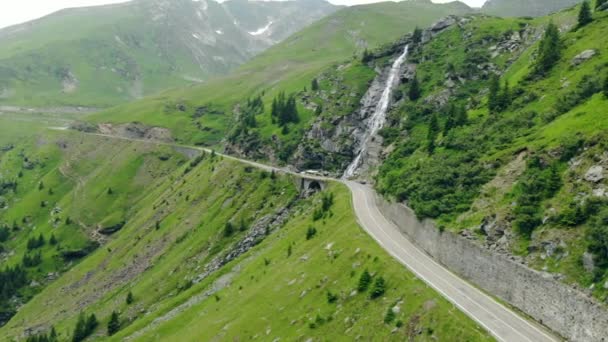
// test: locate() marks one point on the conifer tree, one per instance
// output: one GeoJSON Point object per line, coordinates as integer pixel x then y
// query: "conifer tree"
{"type": "Point", "coordinates": [80, 329]}
{"type": "Point", "coordinates": [113, 324]}
{"type": "Point", "coordinates": [314, 86]}
{"type": "Point", "coordinates": [417, 35]}
{"type": "Point", "coordinates": [599, 3]}
{"type": "Point", "coordinates": [606, 86]}
{"type": "Point", "coordinates": [451, 119]}
{"type": "Point", "coordinates": [91, 325]}
{"type": "Point", "coordinates": [364, 281]}
{"type": "Point", "coordinates": [432, 134]}
{"type": "Point", "coordinates": [414, 91]}
{"type": "Point", "coordinates": [505, 97]}
{"type": "Point", "coordinates": [461, 116]}
{"type": "Point", "coordinates": [493, 97]}
{"type": "Point", "coordinates": [584, 15]}
{"type": "Point", "coordinates": [379, 288]}
{"type": "Point", "coordinates": [549, 51]}
{"type": "Point", "coordinates": [130, 298]}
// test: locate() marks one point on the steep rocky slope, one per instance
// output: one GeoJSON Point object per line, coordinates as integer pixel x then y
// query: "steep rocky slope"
{"type": "Point", "coordinates": [100, 56]}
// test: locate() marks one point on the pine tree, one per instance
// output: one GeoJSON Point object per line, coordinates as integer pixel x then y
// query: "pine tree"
{"type": "Point", "coordinates": [53, 240]}
{"type": "Point", "coordinates": [364, 281]}
{"type": "Point", "coordinates": [414, 91]}
{"type": "Point", "coordinates": [417, 35]}
{"type": "Point", "coordinates": [584, 15]}
{"type": "Point", "coordinates": [314, 86]}
{"type": "Point", "coordinates": [493, 96]}
{"type": "Point", "coordinates": [451, 119]}
{"type": "Point", "coordinates": [549, 51]}
{"type": "Point", "coordinates": [432, 134]}
{"type": "Point", "coordinates": [599, 3]}
{"type": "Point", "coordinates": [461, 116]}
{"type": "Point", "coordinates": [505, 97]}
{"type": "Point", "coordinates": [228, 229]}
{"type": "Point", "coordinates": [53, 335]}
{"type": "Point", "coordinates": [606, 85]}
{"type": "Point", "coordinates": [91, 325]}
{"type": "Point", "coordinates": [113, 324]}
{"type": "Point", "coordinates": [367, 56]}
{"type": "Point", "coordinates": [80, 329]}
{"type": "Point", "coordinates": [379, 288]}
{"type": "Point", "coordinates": [130, 298]}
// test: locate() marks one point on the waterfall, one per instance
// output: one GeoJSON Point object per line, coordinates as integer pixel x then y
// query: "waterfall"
{"type": "Point", "coordinates": [378, 118]}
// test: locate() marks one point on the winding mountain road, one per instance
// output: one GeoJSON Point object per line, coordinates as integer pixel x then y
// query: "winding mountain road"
{"type": "Point", "coordinates": [503, 323]}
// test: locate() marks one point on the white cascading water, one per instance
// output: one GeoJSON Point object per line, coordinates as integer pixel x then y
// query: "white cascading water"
{"type": "Point", "coordinates": [376, 122]}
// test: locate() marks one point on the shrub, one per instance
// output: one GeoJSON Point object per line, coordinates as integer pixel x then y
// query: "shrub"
{"type": "Point", "coordinates": [390, 316]}
{"type": "Point", "coordinates": [331, 297]}
{"type": "Point", "coordinates": [311, 232]}
{"type": "Point", "coordinates": [228, 229]}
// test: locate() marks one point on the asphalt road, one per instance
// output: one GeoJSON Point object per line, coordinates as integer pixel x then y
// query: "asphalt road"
{"type": "Point", "coordinates": [503, 323]}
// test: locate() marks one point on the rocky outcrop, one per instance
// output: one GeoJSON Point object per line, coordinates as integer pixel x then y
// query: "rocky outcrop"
{"type": "Point", "coordinates": [255, 235]}
{"type": "Point", "coordinates": [595, 174]}
{"type": "Point", "coordinates": [583, 57]}
{"type": "Point", "coordinates": [136, 131]}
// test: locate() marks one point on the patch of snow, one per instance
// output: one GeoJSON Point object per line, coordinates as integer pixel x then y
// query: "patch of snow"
{"type": "Point", "coordinates": [219, 31]}
{"type": "Point", "coordinates": [196, 36]}
{"type": "Point", "coordinates": [261, 30]}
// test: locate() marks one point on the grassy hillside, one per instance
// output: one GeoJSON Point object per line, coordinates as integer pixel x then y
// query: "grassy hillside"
{"type": "Point", "coordinates": [298, 282]}
{"type": "Point", "coordinates": [204, 114]}
{"type": "Point", "coordinates": [526, 177]}
{"type": "Point", "coordinates": [106, 55]}
{"type": "Point", "coordinates": [56, 192]}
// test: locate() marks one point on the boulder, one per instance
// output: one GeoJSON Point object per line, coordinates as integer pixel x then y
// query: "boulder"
{"type": "Point", "coordinates": [583, 57]}
{"type": "Point", "coordinates": [595, 174]}
{"type": "Point", "coordinates": [443, 24]}
{"type": "Point", "coordinates": [588, 262]}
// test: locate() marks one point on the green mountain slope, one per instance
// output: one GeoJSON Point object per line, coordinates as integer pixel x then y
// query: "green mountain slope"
{"type": "Point", "coordinates": [525, 177]}
{"type": "Point", "coordinates": [526, 8]}
{"type": "Point", "coordinates": [205, 114]}
{"type": "Point", "coordinates": [105, 55]}
{"type": "Point", "coordinates": [208, 239]}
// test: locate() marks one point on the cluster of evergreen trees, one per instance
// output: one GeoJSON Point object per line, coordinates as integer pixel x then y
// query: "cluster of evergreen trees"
{"type": "Point", "coordinates": [550, 50]}
{"type": "Point", "coordinates": [456, 116]}
{"type": "Point", "coordinates": [43, 337]}
{"type": "Point", "coordinates": [85, 326]}
{"type": "Point", "coordinates": [11, 280]}
{"type": "Point", "coordinates": [34, 243]}
{"type": "Point", "coordinates": [254, 107]}
{"type": "Point", "coordinates": [32, 260]}
{"type": "Point", "coordinates": [284, 110]}
{"type": "Point", "coordinates": [539, 183]}
{"type": "Point", "coordinates": [378, 288]}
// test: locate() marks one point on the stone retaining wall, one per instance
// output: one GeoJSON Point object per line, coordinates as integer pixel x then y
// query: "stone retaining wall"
{"type": "Point", "coordinates": [558, 306]}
